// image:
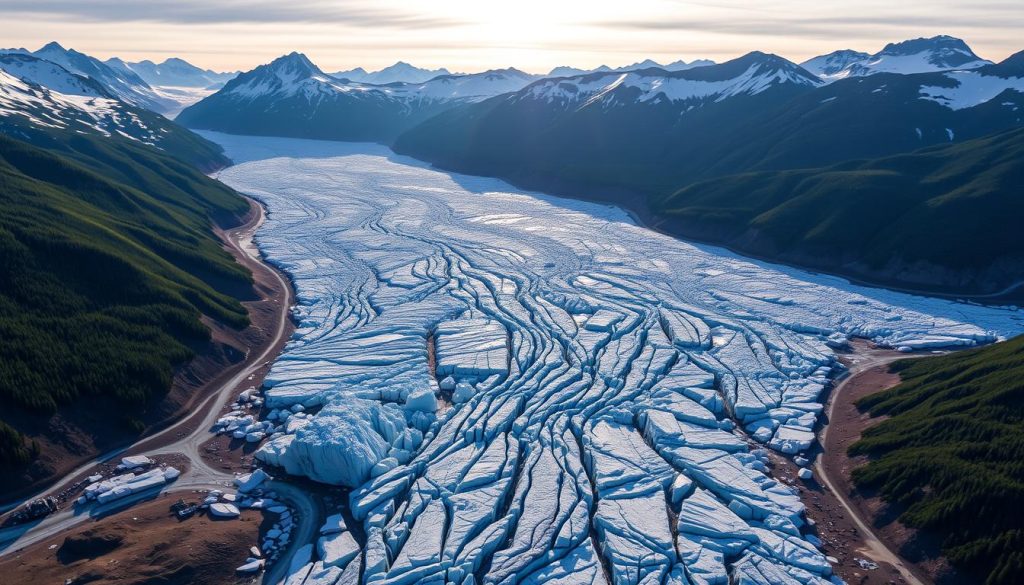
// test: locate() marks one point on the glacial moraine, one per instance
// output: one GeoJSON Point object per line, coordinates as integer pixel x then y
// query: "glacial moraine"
{"type": "Point", "coordinates": [599, 373]}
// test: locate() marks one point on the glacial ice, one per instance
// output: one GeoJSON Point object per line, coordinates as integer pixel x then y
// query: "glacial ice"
{"type": "Point", "coordinates": [588, 403]}
{"type": "Point", "coordinates": [126, 484]}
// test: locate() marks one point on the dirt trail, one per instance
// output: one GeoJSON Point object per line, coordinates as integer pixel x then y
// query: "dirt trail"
{"type": "Point", "coordinates": [186, 436]}
{"type": "Point", "coordinates": [863, 362]}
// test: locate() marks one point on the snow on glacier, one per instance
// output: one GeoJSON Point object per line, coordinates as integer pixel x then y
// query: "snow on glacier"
{"type": "Point", "coordinates": [522, 388]}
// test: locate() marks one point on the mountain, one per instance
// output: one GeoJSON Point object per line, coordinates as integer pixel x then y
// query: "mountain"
{"type": "Point", "coordinates": [647, 133]}
{"type": "Point", "coordinates": [108, 263]}
{"type": "Point", "coordinates": [877, 220]}
{"type": "Point", "coordinates": [172, 72]}
{"type": "Point", "coordinates": [357, 74]}
{"type": "Point", "coordinates": [400, 72]}
{"type": "Point", "coordinates": [830, 65]}
{"type": "Point", "coordinates": [883, 114]}
{"type": "Point", "coordinates": [941, 53]}
{"type": "Point", "coordinates": [636, 138]}
{"type": "Point", "coordinates": [39, 98]}
{"type": "Point", "coordinates": [947, 455]}
{"type": "Point", "coordinates": [124, 85]}
{"type": "Point", "coordinates": [565, 71]}
{"type": "Point", "coordinates": [32, 71]}
{"type": "Point", "coordinates": [603, 133]}
{"type": "Point", "coordinates": [292, 97]}
{"type": "Point", "coordinates": [679, 65]}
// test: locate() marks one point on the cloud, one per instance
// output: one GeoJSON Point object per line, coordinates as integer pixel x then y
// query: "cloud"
{"type": "Point", "coordinates": [225, 12]}
{"type": "Point", "coordinates": [792, 20]}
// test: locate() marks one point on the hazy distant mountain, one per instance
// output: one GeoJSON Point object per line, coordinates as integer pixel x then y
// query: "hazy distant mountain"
{"type": "Point", "coordinates": [941, 53]}
{"type": "Point", "coordinates": [399, 72]}
{"type": "Point", "coordinates": [172, 72]}
{"type": "Point", "coordinates": [646, 64]}
{"type": "Point", "coordinates": [292, 97]}
{"type": "Point", "coordinates": [565, 71]}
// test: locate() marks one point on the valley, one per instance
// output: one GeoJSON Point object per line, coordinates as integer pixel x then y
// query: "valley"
{"type": "Point", "coordinates": [554, 299]}
{"type": "Point", "coordinates": [401, 325]}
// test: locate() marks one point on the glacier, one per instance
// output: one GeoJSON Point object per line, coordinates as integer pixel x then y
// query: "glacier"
{"type": "Point", "coordinates": [518, 388]}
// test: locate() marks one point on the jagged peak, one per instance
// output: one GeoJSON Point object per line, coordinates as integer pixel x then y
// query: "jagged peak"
{"type": "Point", "coordinates": [292, 66]}
{"type": "Point", "coordinates": [53, 46]}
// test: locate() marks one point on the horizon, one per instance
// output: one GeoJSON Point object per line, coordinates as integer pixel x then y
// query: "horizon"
{"type": "Point", "coordinates": [462, 37]}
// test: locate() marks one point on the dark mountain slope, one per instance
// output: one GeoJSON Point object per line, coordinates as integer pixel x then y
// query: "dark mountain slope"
{"type": "Point", "coordinates": [952, 455]}
{"type": "Point", "coordinates": [652, 131]}
{"type": "Point", "coordinates": [642, 132]}
{"type": "Point", "coordinates": [292, 97]}
{"type": "Point", "coordinates": [945, 218]}
{"type": "Point", "coordinates": [108, 262]}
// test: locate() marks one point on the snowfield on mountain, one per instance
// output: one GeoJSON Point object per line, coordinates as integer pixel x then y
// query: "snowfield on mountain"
{"type": "Point", "coordinates": [611, 402]}
{"type": "Point", "coordinates": [940, 53]}
{"type": "Point", "coordinates": [291, 96]}
{"type": "Point", "coordinates": [750, 75]}
{"type": "Point", "coordinates": [120, 83]}
{"type": "Point", "coordinates": [47, 95]}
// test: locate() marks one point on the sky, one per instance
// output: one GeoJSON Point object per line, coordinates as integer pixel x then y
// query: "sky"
{"type": "Point", "coordinates": [475, 35]}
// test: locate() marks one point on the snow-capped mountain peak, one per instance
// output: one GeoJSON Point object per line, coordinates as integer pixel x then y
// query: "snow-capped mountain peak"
{"type": "Point", "coordinates": [751, 74]}
{"type": "Point", "coordinates": [925, 55]}
{"type": "Point", "coordinates": [35, 94]}
{"type": "Point", "coordinates": [678, 65]}
{"type": "Point", "coordinates": [172, 72]}
{"type": "Point", "coordinates": [834, 62]}
{"type": "Point", "coordinates": [941, 52]}
{"type": "Point", "coordinates": [400, 72]}
{"type": "Point", "coordinates": [50, 76]}
{"type": "Point", "coordinates": [294, 65]}
{"type": "Point", "coordinates": [122, 83]}
{"type": "Point", "coordinates": [645, 64]}
{"type": "Point", "coordinates": [52, 47]}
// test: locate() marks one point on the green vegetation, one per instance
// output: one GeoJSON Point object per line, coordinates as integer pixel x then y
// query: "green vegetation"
{"type": "Point", "coordinates": [952, 455]}
{"type": "Point", "coordinates": [943, 217]}
{"type": "Point", "coordinates": [172, 139]}
{"type": "Point", "coordinates": [107, 262]}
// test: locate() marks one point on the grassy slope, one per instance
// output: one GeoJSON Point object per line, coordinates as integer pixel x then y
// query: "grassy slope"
{"type": "Point", "coordinates": [952, 208]}
{"type": "Point", "coordinates": [952, 453]}
{"type": "Point", "coordinates": [174, 140]}
{"type": "Point", "coordinates": [108, 261]}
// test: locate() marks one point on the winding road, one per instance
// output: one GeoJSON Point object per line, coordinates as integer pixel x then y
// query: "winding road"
{"type": "Point", "coordinates": [876, 549]}
{"type": "Point", "coordinates": [199, 476]}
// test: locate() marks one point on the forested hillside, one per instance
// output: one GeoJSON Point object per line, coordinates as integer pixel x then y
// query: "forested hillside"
{"type": "Point", "coordinates": [952, 455]}
{"type": "Point", "coordinates": [108, 262]}
{"type": "Point", "coordinates": [944, 218]}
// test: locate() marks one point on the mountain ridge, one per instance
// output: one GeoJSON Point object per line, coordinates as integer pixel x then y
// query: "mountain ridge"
{"type": "Point", "coordinates": [291, 96]}
{"type": "Point", "coordinates": [922, 55]}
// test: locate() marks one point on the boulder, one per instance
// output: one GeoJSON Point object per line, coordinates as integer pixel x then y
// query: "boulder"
{"type": "Point", "coordinates": [223, 510]}
{"type": "Point", "coordinates": [250, 481]}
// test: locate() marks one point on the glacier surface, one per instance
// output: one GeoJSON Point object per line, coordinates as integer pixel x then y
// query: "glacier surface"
{"type": "Point", "coordinates": [524, 389]}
